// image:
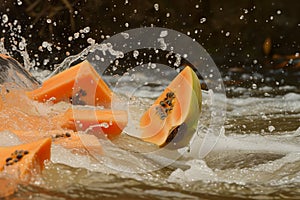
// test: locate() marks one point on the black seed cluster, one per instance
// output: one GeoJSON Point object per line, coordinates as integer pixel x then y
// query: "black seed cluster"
{"type": "Point", "coordinates": [15, 157]}
{"type": "Point", "coordinates": [166, 105]}
{"type": "Point", "coordinates": [76, 99]}
{"type": "Point", "coordinates": [64, 135]}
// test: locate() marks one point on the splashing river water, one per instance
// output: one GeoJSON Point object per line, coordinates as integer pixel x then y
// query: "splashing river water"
{"type": "Point", "coordinates": [256, 156]}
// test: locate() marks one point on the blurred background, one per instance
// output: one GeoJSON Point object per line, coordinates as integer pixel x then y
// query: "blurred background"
{"type": "Point", "coordinates": [248, 40]}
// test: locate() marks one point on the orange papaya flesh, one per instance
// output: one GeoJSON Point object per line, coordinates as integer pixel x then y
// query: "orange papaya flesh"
{"type": "Point", "coordinates": [80, 84]}
{"type": "Point", "coordinates": [66, 138]}
{"type": "Point", "coordinates": [23, 161]}
{"type": "Point", "coordinates": [172, 119]}
{"type": "Point", "coordinates": [7, 187]}
{"type": "Point", "coordinates": [109, 122]}
{"type": "Point", "coordinates": [30, 123]}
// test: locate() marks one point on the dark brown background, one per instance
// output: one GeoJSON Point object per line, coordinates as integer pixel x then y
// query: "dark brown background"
{"type": "Point", "coordinates": [238, 50]}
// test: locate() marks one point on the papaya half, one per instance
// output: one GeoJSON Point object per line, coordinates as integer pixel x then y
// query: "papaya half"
{"type": "Point", "coordinates": [173, 118]}
{"type": "Point", "coordinates": [80, 84]}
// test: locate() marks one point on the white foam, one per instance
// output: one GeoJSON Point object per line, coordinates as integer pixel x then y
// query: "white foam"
{"type": "Point", "coordinates": [198, 171]}
{"type": "Point", "coordinates": [255, 142]}
{"type": "Point", "coordinates": [8, 139]}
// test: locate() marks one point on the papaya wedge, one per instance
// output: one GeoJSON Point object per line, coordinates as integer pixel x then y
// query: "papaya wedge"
{"type": "Point", "coordinates": [68, 139]}
{"type": "Point", "coordinates": [109, 122]}
{"type": "Point", "coordinates": [80, 84]}
{"type": "Point", "coordinates": [172, 119]}
{"type": "Point", "coordinates": [23, 161]}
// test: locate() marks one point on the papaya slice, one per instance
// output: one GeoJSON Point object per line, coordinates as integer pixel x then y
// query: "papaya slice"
{"type": "Point", "coordinates": [172, 119]}
{"type": "Point", "coordinates": [80, 84]}
{"type": "Point", "coordinates": [68, 139]}
{"type": "Point", "coordinates": [109, 122]}
{"type": "Point", "coordinates": [23, 161]}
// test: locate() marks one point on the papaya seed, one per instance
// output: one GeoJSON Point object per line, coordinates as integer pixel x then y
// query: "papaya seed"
{"type": "Point", "coordinates": [169, 102]}
{"type": "Point", "coordinates": [163, 104]}
{"type": "Point", "coordinates": [68, 134]}
{"type": "Point", "coordinates": [170, 95]}
{"type": "Point", "coordinates": [8, 159]}
{"type": "Point", "coordinates": [19, 156]}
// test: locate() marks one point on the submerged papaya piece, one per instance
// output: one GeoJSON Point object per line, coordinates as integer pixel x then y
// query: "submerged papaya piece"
{"type": "Point", "coordinates": [109, 122]}
{"type": "Point", "coordinates": [80, 84]}
{"type": "Point", "coordinates": [23, 161]}
{"type": "Point", "coordinates": [172, 119]}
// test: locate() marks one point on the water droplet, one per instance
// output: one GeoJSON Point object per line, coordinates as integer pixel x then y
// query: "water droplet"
{"type": "Point", "coordinates": [156, 6]}
{"type": "Point", "coordinates": [97, 57]}
{"type": "Point", "coordinates": [86, 29]}
{"type": "Point", "coordinates": [135, 54]}
{"type": "Point", "coordinates": [127, 24]}
{"type": "Point", "coordinates": [168, 15]}
{"type": "Point", "coordinates": [45, 62]}
{"type": "Point", "coordinates": [152, 65]}
{"type": "Point", "coordinates": [125, 35]}
{"type": "Point", "coordinates": [104, 125]}
{"type": "Point", "coordinates": [227, 34]}
{"type": "Point", "coordinates": [91, 41]}
{"type": "Point", "coordinates": [19, 2]}
{"type": "Point", "coordinates": [254, 86]}
{"type": "Point", "coordinates": [44, 44]}
{"type": "Point", "coordinates": [163, 34]}
{"type": "Point", "coordinates": [76, 35]}
{"type": "Point", "coordinates": [202, 20]}
{"type": "Point", "coordinates": [22, 45]}
{"type": "Point", "coordinates": [271, 128]}
{"type": "Point", "coordinates": [241, 17]}
{"type": "Point", "coordinates": [49, 21]}
{"type": "Point", "coordinates": [4, 18]}
{"type": "Point", "coordinates": [278, 12]}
